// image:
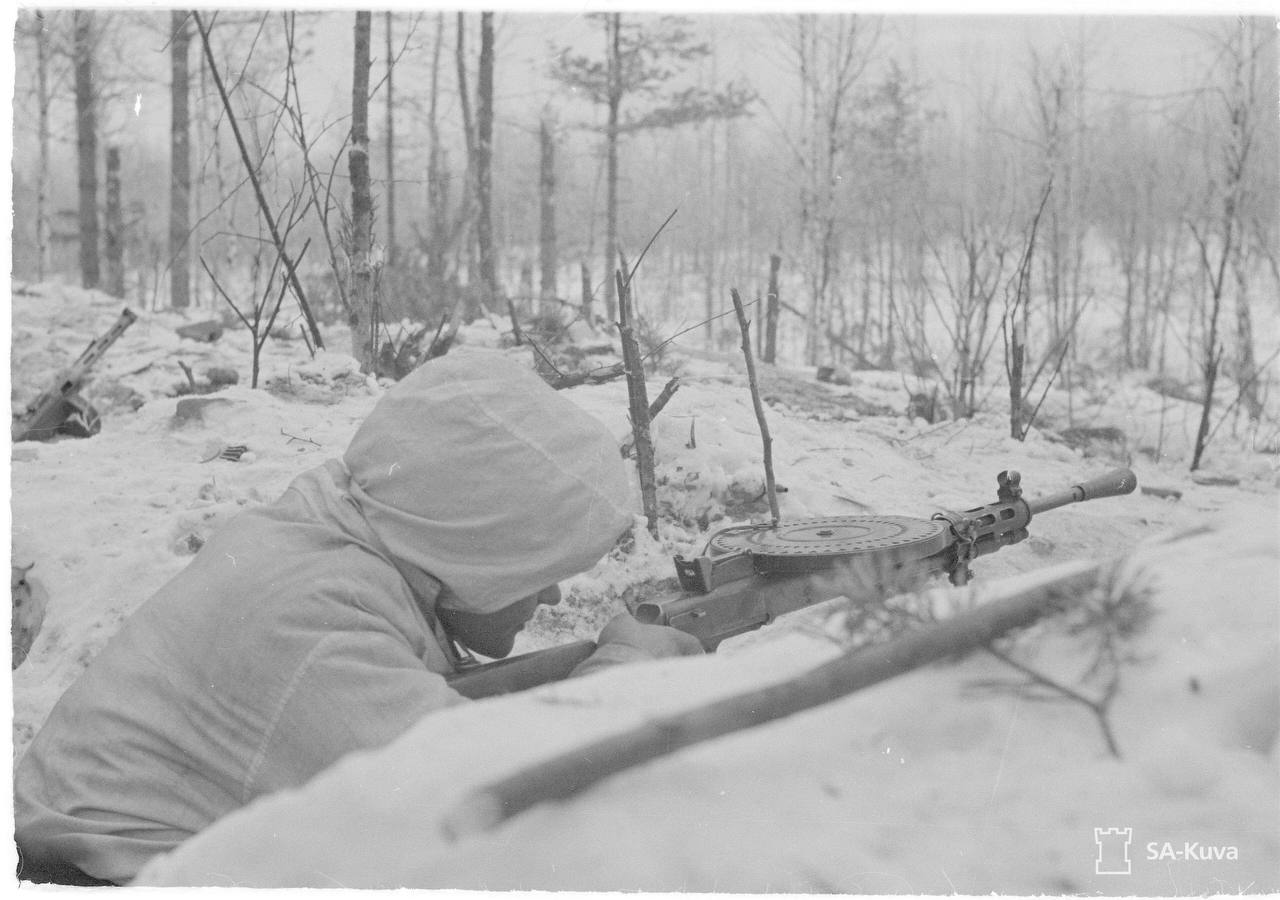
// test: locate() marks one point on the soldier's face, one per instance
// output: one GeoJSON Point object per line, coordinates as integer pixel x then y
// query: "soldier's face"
{"type": "Point", "coordinates": [494, 634]}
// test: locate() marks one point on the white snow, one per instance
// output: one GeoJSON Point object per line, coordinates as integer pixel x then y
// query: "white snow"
{"type": "Point", "coordinates": [925, 784]}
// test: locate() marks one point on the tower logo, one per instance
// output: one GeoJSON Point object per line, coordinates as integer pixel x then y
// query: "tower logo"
{"type": "Point", "coordinates": [1113, 851]}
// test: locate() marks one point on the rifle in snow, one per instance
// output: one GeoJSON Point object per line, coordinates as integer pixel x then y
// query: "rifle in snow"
{"type": "Point", "coordinates": [750, 575]}
{"type": "Point", "coordinates": [61, 409]}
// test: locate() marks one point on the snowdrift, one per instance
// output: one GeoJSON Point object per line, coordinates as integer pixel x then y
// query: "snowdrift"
{"type": "Point", "coordinates": [914, 786]}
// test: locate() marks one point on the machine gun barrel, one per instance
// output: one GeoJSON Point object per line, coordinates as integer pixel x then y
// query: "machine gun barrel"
{"type": "Point", "coordinates": [1115, 483]}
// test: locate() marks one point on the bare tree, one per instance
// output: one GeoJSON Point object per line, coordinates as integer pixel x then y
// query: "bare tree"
{"type": "Point", "coordinates": [971, 267]}
{"type": "Point", "coordinates": [1220, 231]}
{"type": "Point", "coordinates": [87, 145]}
{"type": "Point", "coordinates": [1058, 94]}
{"type": "Point", "coordinates": [113, 231]}
{"type": "Point", "coordinates": [1248, 99]}
{"type": "Point", "coordinates": [180, 163]}
{"type": "Point", "coordinates": [251, 171]}
{"type": "Point", "coordinates": [363, 313]}
{"type": "Point", "coordinates": [892, 119]}
{"type": "Point", "coordinates": [437, 187]}
{"type": "Point", "coordinates": [391, 144]}
{"type": "Point", "coordinates": [467, 214]}
{"type": "Point", "coordinates": [484, 161]}
{"type": "Point", "coordinates": [547, 208]}
{"type": "Point", "coordinates": [39, 28]}
{"type": "Point", "coordinates": [830, 55]}
{"type": "Point", "coordinates": [639, 59]}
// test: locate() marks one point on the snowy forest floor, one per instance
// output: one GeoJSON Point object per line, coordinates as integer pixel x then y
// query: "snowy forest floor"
{"type": "Point", "coordinates": [958, 778]}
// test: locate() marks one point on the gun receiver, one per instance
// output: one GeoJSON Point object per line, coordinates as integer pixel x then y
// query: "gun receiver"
{"type": "Point", "coordinates": [750, 575]}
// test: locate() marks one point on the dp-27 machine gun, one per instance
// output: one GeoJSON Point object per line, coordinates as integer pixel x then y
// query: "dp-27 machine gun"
{"type": "Point", "coordinates": [747, 576]}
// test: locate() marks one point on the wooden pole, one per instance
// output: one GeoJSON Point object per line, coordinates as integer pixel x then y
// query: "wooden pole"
{"type": "Point", "coordinates": [770, 487]}
{"type": "Point", "coordinates": [639, 404]}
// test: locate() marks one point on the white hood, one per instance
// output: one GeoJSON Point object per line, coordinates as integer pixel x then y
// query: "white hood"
{"type": "Point", "coordinates": [477, 472]}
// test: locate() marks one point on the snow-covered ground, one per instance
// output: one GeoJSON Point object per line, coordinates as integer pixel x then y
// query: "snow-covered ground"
{"type": "Point", "coordinates": [935, 782]}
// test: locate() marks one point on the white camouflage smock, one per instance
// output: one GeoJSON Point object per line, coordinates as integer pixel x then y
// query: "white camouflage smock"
{"type": "Point", "coordinates": [303, 630]}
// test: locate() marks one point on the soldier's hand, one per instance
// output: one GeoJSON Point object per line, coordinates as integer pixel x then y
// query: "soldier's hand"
{"type": "Point", "coordinates": [625, 640]}
{"type": "Point", "coordinates": [656, 641]}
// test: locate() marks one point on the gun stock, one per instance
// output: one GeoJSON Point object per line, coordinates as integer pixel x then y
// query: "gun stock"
{"type": "Point", "coordinates": [744, 599]}
{"type": "Point", "coordinates": [519, 673]}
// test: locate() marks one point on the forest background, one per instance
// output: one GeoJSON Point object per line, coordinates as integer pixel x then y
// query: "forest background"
{"type": "Point", "coordinates": [910, 192]}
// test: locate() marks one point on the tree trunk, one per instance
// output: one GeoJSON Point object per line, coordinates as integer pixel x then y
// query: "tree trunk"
{"type": "Point", "coordinates": [86, 146]}
{"type": "Point", "coordinates": [484, 160]}
{"type": "Point", "coordinates": [1017, 358]}
{"type": "Point", "coordinates": [547, 203]}
{"type": "Point", "coordinates": [391, 152]}
{"type": "Point", "coordinates": [364, 326]}
{"type": "Point", "coordinates": [114, 231]}
{"type": "Point", "coordinates": [614, 56]}
{"type": "Point", "coordinates": [469, 136]}
{"type": "Point", "coordinates": [1243, 110]}
{"type": "Point", "coordinates": [586, 293]}
{"type": "Point", "coordinates": [42, 128]}
{"type": "Point", "coordinates": [771, 312]}
{"type": "Point", "coordinates": [179, 164]}
{"type": "Point", "coordinates": [1247, 365]}
{"type": "Point", "coordinates": [437, 192]}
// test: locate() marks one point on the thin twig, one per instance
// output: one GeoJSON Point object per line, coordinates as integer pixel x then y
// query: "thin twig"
{"type": "Point", "coordinates": [1097, 707]}
{"type": "Point", "coordinates": [640, 259]}
{"type": "Point", "coordinates": [191, 378]}
{"type": "Point", "coordinates": [683, 331]}
{"type": "Point", "coordinates": [225, 296]}
{"type": "Point", "coordinates": [654, 408]}
{"type": "Point", "coordinates": [263, 207]}
{"type": "Point", "coordinates": [770, 488]}
{"type": "Point", "coordinates": [546, 360]}
{"type": "Point", "coordinates": [294, 437]}
{"type": "Point", "coordinates": [598, 375]}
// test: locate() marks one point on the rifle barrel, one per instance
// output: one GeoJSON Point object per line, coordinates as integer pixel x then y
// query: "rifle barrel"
{"type": "Point", "coordinates": [1115, 483]}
